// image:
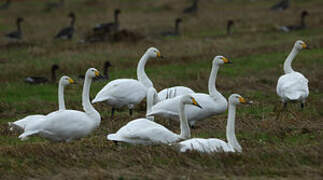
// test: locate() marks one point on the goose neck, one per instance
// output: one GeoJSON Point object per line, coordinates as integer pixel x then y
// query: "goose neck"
{"type": "Point", "coordinates": [19, 26]}
{"type": "Point", "coordinates": [105, 72]}
{"type": "Point", "coordinates": [185, 129]}
{"type": "Point", "coordinates": [53, 77]}
{"type": "Point", "coordinates": [141, 74]}
{"type": "Point", "coordinates": [177, 27]}
{"type": "Point", "coordinates": [230, 129]}
{"type": "Point", "coordinates": [288, 62]}
{"type": "Point", "coordinates": [61, 103]}
{"type": "Point", "coordinates": [72, 21]}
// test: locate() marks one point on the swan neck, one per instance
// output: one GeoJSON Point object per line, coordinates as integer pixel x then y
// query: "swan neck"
{"type": "Point", "coordinates": [212, 88]}
{"type": "Point", "coordinates": [87, 106]}
{"type": "Point", "coordinates": [141, 74]}
{"type": "Point", "coordinates": [61, 103]}
{"type": "Point", "coordinates": [152, 99]}
{"type": "Point", "coordinates": [230, 130]}
{"type": "Point", "coordinates": [288, 62]}
{"type": "Point", "coordinates": [185, 129]}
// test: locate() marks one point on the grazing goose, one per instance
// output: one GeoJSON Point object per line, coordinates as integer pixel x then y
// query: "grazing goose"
{"type": "Point", "coordinates": [192, 8]}
{"type": "Point", "coordinates": [128, 92]}
{"type": "Point", "coordinates": [22, 123]}
{"type": "Point", "coordinates": [67, 32]}
{"type": "Point", "coordinates": [5, 5]}
{"type": "Point", "coordinates": [109, 27]}
{"type": "Point", "coordinates": [281, 5]}
{"type": "Point", "coordinates": [293, 86]}
{"type": "Point", "coordinates": [176, 30]}
{"type": "Point", "coordinates": [53, 5]}
{"type": "Point", "coordinates": [105, 75]}
{"type": "Point", "coordinates": [217, 145]}
{"type": "Point", "coordinates": [145, 131]}
{"type": "Point", "coordinates": [16, 35]}
{"type": "Point", "coordinates": [300, 26]}
{"type": "Point", "coordinates": [67, 125]}
{"type": "Point", "coordinates": [212, 103]}
{"type": "Point", "coordinates": [229, 27]}
{"type": "Point", "coordinates": [40, 80]}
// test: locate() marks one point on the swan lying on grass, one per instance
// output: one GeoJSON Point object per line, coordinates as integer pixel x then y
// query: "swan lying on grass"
{"type": "Point", "coordinates": [20, 125]}
{"type": "Point", "coordinates": [67, 125]}
{"type": "Point", "coordinates": [175, 91]}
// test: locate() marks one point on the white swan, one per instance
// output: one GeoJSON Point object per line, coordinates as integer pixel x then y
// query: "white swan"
{"type": "Point", "coordinates": [172, 92]}
{"type": "Point", "coordinates": [212, 103]}
{"type": "Point", "coordinates": [292, 86]}
{"type": "Point", "coordinates": [66, 125]}
{"type": "Point", "coordinates": [144, 131]}
{"type": "Point", "coordinates": [20, 125]}
{"type": "Point", "coordinates": [128, 92]}
{"type": "Point", "coordinates": [217, 145]}
{"type": "Point", "coordinates": [152, 99]}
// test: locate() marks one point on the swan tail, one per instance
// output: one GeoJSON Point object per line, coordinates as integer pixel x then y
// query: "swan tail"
{"type": "Point", "coordinates": [13, 126]}
{"type": "Point", "coordinates": [24, 136]}
{"type": "Point", "coordinates": [113, 137]}
{"type": "Point", "coordinates": [10, 125]}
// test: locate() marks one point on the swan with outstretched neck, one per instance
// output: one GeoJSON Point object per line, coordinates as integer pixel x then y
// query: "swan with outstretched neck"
{"type": "Point", "coordinates": [145, 131]}
{"type": "Point", "coordinates": [21, 124]}
{"type": "Point", "coordinates": [293, 86]}
{"type": "Point", "coordinates": [217, 145]}
{"type": "Point", "coordinates": [212, 103]}
{"type": "Point", "coordinates": [67, 125]}
{"type": "Point", "coordinates": [128, 92]}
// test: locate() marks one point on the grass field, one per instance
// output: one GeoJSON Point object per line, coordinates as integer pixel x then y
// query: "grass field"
{"type": "Point", "coordinates": [277, 143]}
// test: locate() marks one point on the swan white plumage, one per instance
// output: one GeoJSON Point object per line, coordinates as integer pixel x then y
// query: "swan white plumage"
{"type": "Point", "coordinates": [67, 125]}
{"type": "Point", "coordinates": [20, 125]}
{"type": "Point", "coordinates": [217, 145]}
{"type": "Point", "coordinates": [128, 92]}
{"type": "Point", "coordinates": [172, 92]}
{"type": "Point", "coordinates": [292, 86]}
{"type": "Point", "coordinates": [152, 99]}
{"type": "Point", "coordinates": [212, 103]}
{"type": "Point", "coordinates": [144, 131]}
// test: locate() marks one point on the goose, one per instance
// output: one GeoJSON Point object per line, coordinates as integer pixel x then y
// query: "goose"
{"type": "Point", "coordinates": [67, 32]}
{"type": "Point", "coordinates": [22, 123]}
{"type": "Point", "coordinates": [109, 27]}
{"type": "Point", "coordinates": [41, 80]}
{"type": "Point", "coordinates": [128, 92]}
{"type": "Point", "coordinates": [53, 5]}
{"type": "Point", "coordinates": [192, 8]}
{"type": "Point", "coordinates": [216, 145]}
{"type": "Point", "coordinates": [5, 5]}
{"type": "Point", "coordinates": [293, 86]}
{"type": "Point", "coordinates": [281, 5]}
{"type": "Point", "coordinates": [105, 75]}
{"type": "Point", "coordinates": [175, 91]}
{"type": "Point", "coordinates": [145, 131]}
{"type": "Point", "coordinates": [176, 30]}
{"type": "Point", "coordinates": [230, 23]}
{"type": "Point", "coordinates": [212, 103]}
{"type": "Point", "coordinates": [67, 125]}
{"type": "Point", "coordinates": [300, 26]}
{"type": "Point", "coordinates": [16, 35]}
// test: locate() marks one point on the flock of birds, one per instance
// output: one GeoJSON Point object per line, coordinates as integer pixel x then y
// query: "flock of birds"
{"type": "Point", "coordinates": [178, 103]}
{"type": "Point", "coordinates": [111, 32]}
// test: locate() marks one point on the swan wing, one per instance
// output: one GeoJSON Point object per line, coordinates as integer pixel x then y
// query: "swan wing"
{"type": "Point", "coordinates": [204, 145]}
{"type": "Point", "coordinates": [292, 86]}
{"type": "Point", "coordinates": [174, 91]}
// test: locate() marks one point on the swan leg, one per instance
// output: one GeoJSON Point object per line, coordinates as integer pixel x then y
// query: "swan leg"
{"type": "Point", "coordinates": [302, 105]}
{"type": "Point", "coordinates": [285, 105]}
{"type": "Point", "coordinates": [130, 112]}
{"type": "Point", "coordinates": [115, 142]}
{"type": "Point", "coordinates": [112, 112]}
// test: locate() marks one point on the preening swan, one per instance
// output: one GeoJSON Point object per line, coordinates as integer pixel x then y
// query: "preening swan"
{"type": "Point", "coordinates": [212, 103]}
{"type": "Point", "coordinates": [293, 86]}
{"type": "Point", "coordinates": [172, 92]}
{"type": "Point", "coordinates": [128, 92]}
{"type": "Point", "coordinates": [144, 131]}
{"type": "Point", "coordinates": [217, 145]}
{"type": "Point", "coordinates": [22, 123]}
{"type": "Point", "coordinates": [67, 125]}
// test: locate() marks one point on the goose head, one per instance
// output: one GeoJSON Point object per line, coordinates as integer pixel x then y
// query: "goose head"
{"type": "Point", "coordinates": [107, 64]}
{"type": "Point", "coordinates": [304, 13]}
{"type": "Point", "coordinates": [65, 80]}
{"type": "Point", "coordinates": [92, 73]}
{"type": "Point", "coordinates": [300, 45]}
{"type": "Point", "coordinates": [188, 99]}
{"type": "Point", "coordinates": [20, 19]}
{"type": "Point", "coordinates": [54, 67]}
{"type": "Point", "coordinates": [178, 20]}
{"type": "Point", "coordinates": [218, 60]}
{"type": "Point", "coordinates": [153, 52]}
{"type": "Point", "coordinates": [117, 11]}
{"type": "Point", "coordinates": [71, 15]}
{"type": "Point", "coordinates": [237, 99]}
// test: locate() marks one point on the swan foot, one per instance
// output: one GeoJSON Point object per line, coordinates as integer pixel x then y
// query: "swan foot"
{"type": "Point", "coordinates": [112, 113]}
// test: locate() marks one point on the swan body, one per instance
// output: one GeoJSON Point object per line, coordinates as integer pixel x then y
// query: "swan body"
{"type": "Point", "coordinates": [217, 145]}
{"type": "Point", "coordinates": [174, 91]}
{"type": "Point", "coordinates": [144, 131]}
{"type": "Point", "coordinates": [67, 125]}
{"type": "Point", "coordinates": [128, 92]}
{"type": "Point", "coordinates": [212, 103]}
{"type": "Point", "coordinates": [21, 124]}
{"type": "Point", "coordinates": [293, 86]}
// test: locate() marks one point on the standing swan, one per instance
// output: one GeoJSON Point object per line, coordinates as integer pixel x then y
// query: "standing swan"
{"type": "Point", "coordinates": [212, 103]}
{"type": "Point", "coordinates": [292, 86]}
{"type": "Point", "coordinates": [67, 125]}
{"type": "Point", "coordinates": [144, 131]}
{"type": "Point", "coordinates": [217, 145]}
{"type": "Point", "coordinates": [128, 92]}
{"type": "Point", "coordinates": [22, 123]}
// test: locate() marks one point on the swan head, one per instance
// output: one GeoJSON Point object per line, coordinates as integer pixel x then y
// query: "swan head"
{"type": "Point", "coordinates": [221, 60]}
{"type": "Point", "coordinates": [188, 99]}
{"type": "Point", "coordinates": [65, 80]}
{"type": "Point", "coordinates": [300, 45]}
{"type": "Point", "coordinates": [92, 73]}
{"type": "Point", "coordinates": [237, 99]}
{"type": "Point", "coordinates": [153, 52]}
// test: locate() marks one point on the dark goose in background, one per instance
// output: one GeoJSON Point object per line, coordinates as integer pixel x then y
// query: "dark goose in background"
{"type": "Point", "coordinates": [67, 32]}
{"type": "Point", "coordinates": [230, 23]}
{"type": "Point", "coordinates": [281, 5]}
{"type": "Point", "coordinates": [300, 26]}
{"type": "Point", "coordinates": [109, 27]}
{"type": "Point", "coordinates": [176, 30]}
{"type": "Point", "coordinates": [192, 9]}
{"type": "Point", "coordinates": [5, 5]}
{"type": "Point", "coordinates": [40, 80]}
{"type": "Point", "coordinates": [17, 35]}
{"type": "Point", "coordinates": [54, 5]}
